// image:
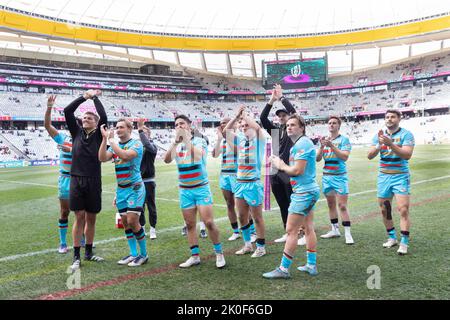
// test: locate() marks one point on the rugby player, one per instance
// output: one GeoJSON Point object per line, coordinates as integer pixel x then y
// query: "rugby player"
{"type": "Point", "coordinates": [249, 192]}
{"type": "Point", "coordinates": [64, 142]}
{"type": "Point", "coordinates": [281, 144]}
{"type": "Point", "coordinates": [130, 192]}
{"type": "Point", "coordinates": [227, 179]}
{"type": "Point", "coordinates": [395, 146]}
{"type": "Point", "coordinates": [335, 150]}
{"type": "Point", "coordinates": [190, 153]}
{"type": "Point", "coordinates": [306, 192]}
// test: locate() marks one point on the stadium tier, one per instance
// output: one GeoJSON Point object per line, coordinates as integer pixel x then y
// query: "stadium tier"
{"type": "Point", "coordinates": [85, 78]}
{"type": "Point", "coordinates": [414, 85]}
{"type": "Point", "coordinates": [435, 94]}
{"type": "Point", "coordinates": [25, 100]}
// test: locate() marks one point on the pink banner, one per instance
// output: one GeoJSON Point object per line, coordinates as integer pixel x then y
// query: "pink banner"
{"type": "Point", "coordinates": [92, 86]}
{"type": "Point", "coordinates": [267, 178]}
{"type": "Point", "coordinates": [445, 73]}
{"type": "Point", "coordinates": [156, 89]}
{"type": "Point", "coordinates": [241, 92]}
{"type": "Point", "coordinates": [368, 113]}
{"type": "Point", "coordinates": [408, 78]}
{"type": "Point", "coordinates": [47, 83]}
{"type": "Point", "coordinates": [377, 83]}
{"type": "Point", "coordinates": [337, 87]}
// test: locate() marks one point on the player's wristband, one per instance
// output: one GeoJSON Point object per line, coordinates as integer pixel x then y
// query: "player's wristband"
{"type": "Point", "coordinates": [140, 130]}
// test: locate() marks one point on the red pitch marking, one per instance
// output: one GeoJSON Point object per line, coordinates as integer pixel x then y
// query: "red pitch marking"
{"type": "Point", "coordinates": [69, 293]}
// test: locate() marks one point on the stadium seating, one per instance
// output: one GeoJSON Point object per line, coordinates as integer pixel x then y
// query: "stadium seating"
{"type": "Point", "coordinates": [32, 105]}
{"type": "Point", "coordinates": [55, 74]}
{"type": "Point", "coordinates": [27, 104]}
{"type": "Point", "coordinates": [37, 144]}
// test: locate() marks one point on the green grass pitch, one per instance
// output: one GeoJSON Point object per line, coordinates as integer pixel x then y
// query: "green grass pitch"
{"type": "Point", "coordinates": [29, 212]}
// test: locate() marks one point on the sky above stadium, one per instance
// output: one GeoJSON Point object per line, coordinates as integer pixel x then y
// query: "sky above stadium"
{"type": "Point", "coordinates": [234, 17]}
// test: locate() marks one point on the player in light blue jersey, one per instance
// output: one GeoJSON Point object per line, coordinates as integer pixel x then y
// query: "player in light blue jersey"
{"type": "Point", "coordinates": [130, 192]}
{"type": "Point", "coordinates": [228, 174]}
{"type": "Point", "coordinates": [190, 153]}
{"type": "Point", "coordinates": [64, 142]}
{"type": "Point", "coordinates": [249, 189]}
{"type": "Point", "coordinates": [335, 150]}
{"type": "Point", "coordinates": [306, 192]}
{"type": "Point", "coordinates": [395, 146]}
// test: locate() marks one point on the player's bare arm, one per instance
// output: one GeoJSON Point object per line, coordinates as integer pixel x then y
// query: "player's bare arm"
{"type": "Point", "coordinates": [218, 146]}
{"type": "Point", "coordinates": [103, 154]}
{"type": "Point", "coordinates": [343, 155]}
{"type": "Point", "coordinates": [297, 169]}
{"type": "Point", "coordinates": [404, 152]}
{"type": "Point", "coordinates": [52, 131]}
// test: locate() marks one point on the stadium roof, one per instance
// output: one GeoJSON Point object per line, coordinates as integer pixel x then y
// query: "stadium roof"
{"type": "Point", "coordinates": [233, 17]}
{"type": "Point", "coordinates": [232, 37]}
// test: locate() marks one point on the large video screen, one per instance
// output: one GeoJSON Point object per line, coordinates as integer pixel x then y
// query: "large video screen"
{"type": "Point", "coordinates": [295, 73]}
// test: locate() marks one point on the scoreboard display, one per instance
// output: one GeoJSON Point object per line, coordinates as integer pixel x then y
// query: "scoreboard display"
{"type": "Point", "coordinates": [292, 74]}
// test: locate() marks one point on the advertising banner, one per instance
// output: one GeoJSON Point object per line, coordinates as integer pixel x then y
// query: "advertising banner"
{"type": "Point", "coordinates": [11, 164]}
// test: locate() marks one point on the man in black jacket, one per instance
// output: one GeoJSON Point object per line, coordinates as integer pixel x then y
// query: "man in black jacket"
{"type": "Point", "coordinates": [281, 144]}
{"type": "Point", "coordinates": [85, 182]}
{"type": "Point", "coordinates": [148, 176]}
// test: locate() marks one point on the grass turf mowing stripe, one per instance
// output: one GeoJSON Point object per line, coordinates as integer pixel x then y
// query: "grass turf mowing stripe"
{"type": "Point", "coordinates": [24, 255]}
{"type": "Point", "coordinates": [30, 254]}
{"type": "Point", "coordinates": [119, 280]}
{"type": "Point", "coordinates": [109, 192]}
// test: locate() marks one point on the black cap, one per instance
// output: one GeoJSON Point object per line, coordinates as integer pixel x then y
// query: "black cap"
{"type": "Point", "coordinates": [281, 110]}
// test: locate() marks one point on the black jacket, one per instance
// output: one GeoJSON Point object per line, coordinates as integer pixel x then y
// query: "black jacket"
{"type": "Point", "coordinates": [85, 147]}
{"type": "Point", "coordinates": [285, 143]}
{"type": "Point", "coordinates": [148, 159]}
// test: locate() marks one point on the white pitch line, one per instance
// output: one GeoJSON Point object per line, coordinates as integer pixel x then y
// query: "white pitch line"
{"type": "Point", "coordinates": [13, 171]}
{"type": "Point", "coordinates": [29, 170]}
{"type": "Point", "coordinates": [30, 254]}
{"type": "Point", "coordinates": [31, 183]}
{"type": "Point", "coordinates": [175, 200]}
{"type": "Point", "coordinates": [110, 192]}
{"type": "Point", "coordinates": [39, 184]}
{"type": "Point", "coordinates": [426, 160]}
{"type": "Point", "coordinates": [413, 183]}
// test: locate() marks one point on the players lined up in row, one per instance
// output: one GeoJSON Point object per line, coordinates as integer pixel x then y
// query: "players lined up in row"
{"type": "Point", "coordinates": [241, 141]}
